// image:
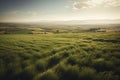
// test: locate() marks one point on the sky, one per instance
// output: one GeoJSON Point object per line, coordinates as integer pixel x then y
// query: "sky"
{"type": "Point", "coordinates": [58, 10]}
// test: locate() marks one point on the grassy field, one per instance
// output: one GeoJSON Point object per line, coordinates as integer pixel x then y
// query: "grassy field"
{"type": "Point", "coordinates": [64, 56]}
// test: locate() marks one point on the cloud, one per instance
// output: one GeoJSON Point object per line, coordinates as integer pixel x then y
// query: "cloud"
{"type": "Point", "coordinates": [33, 13]}
{"type": "Point", "coordinates": [13, 12]}
{"type": "Point", "coordinates": [80, 4]}
{"type": "Point", "coordinates": [112, 3]}
{"type": "Point", "coordinates": [16, 12]}
{"type": "Point", "coordinates": [67, 6]}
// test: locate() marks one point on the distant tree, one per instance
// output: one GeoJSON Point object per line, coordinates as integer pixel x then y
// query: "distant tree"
{"type": "Point", "coordinates": [57, 31]}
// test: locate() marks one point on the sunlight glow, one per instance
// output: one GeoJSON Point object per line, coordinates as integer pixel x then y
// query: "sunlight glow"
{"type": "Point", "coordinates": [98, 1]}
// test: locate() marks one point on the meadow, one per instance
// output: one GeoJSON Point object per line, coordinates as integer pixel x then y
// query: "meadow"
{"type": "Point", "coordinates": [62, 56]}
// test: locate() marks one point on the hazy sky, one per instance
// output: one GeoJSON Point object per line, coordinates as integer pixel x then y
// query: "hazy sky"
{"type": "Point", "coordinates": [36, 10]}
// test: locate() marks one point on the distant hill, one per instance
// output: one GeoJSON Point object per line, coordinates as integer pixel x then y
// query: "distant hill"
{"type": "Point", "coordinates": [69, 22]}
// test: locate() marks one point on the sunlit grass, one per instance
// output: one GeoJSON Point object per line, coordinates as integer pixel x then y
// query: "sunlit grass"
{"type": "Point", "coordinates": [65, 56]}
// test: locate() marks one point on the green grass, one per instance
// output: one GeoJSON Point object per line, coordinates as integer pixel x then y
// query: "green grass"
{"type": "Point", "coordinates": [64, 56]}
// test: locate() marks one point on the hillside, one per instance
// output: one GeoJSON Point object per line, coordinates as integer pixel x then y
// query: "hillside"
{"type": "Point", "coordinates": [67, 56]}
